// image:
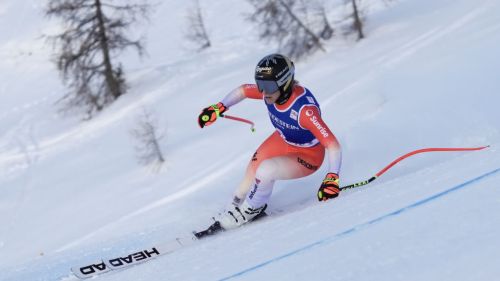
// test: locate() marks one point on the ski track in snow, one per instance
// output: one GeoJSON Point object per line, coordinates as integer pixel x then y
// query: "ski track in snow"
{"type": "Point", "coordinates": [188, 188]}
{"type": "Point", "coordinates": [361, 227]}
{"type": "Point", "coordinates": [428, 38]}
{"type": "Point", "coordinates": [391, 58]}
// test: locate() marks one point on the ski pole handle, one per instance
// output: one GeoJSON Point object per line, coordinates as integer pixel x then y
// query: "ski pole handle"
{"type": "Point", "coordinates": [358, 184]}
{"type": "Point", "coordinates": [381, 172]}
{"type": "Point", "coordinates": [252, 125]}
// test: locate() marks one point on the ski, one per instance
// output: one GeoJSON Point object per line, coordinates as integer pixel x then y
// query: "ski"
{"type": "Point", "coordinates": [120, 262]}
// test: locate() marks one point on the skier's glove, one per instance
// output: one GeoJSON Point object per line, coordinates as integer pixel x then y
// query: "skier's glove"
{"type": "Point", "coordinates": [329, 188]}
{"type": "Point", "coordinates": [209, 115]}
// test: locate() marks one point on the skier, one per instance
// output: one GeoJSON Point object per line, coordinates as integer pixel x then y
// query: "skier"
{"type": "Point", "coordinates": [296, 149]}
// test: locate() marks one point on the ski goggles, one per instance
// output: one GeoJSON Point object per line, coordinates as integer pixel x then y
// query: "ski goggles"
{"type": "Point", "coordinates": [267, 86]}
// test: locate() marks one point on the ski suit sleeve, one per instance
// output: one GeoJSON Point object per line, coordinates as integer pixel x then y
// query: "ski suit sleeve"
{"type": "Point", "coordinates": [310, 119]}
{"type": "Point", "coordinates": [240, 93]}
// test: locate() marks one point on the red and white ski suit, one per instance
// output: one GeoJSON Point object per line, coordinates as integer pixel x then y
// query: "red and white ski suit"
{"type": "Point", "coordinates": [296, 149]}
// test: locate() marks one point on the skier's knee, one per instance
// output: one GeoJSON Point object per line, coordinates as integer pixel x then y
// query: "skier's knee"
{"type": "Point", "coordinates": [266, 171]}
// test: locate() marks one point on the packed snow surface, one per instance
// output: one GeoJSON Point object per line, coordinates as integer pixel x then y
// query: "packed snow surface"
{"type": "Point", "coordinates": [71, 191]}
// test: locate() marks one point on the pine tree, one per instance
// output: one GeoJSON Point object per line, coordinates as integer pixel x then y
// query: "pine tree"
{"type": "Point", "coordinates": [94, 33]}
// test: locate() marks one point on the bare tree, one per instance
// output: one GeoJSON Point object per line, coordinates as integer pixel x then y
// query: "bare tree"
{"type": "Point", "coordinates": [357, 24]}
{"type": "Point", "coordinates": [197, 32]}
{"type": "Point", "coordinates": [292, 23]}
{"type": "Point", "coordinates": [328, 31]}
{"type": "Point", "coordinates": [148, 138]}
{"type": "Point", "coordinates": [93, 34]}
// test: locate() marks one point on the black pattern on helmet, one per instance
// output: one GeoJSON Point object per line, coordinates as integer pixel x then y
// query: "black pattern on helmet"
{"type": "Point", "coordinates": [277, 68]}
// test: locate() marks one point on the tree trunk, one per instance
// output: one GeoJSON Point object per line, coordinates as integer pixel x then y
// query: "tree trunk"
{"type": "Point", "coordinates": [111, 81]}
{"type": "Point", "coordinates": [358, 25]}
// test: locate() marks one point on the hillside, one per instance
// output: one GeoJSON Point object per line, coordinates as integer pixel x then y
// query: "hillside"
{"type": "Point", "coordinates": [425, 76]}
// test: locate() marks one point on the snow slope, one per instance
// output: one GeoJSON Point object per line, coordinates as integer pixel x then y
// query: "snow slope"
{"type": "Point", "coordinates": [426, 76]}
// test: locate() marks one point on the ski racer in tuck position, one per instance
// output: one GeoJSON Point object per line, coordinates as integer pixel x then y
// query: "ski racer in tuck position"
{"type": "Point", "coordinates": [296, 149]}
